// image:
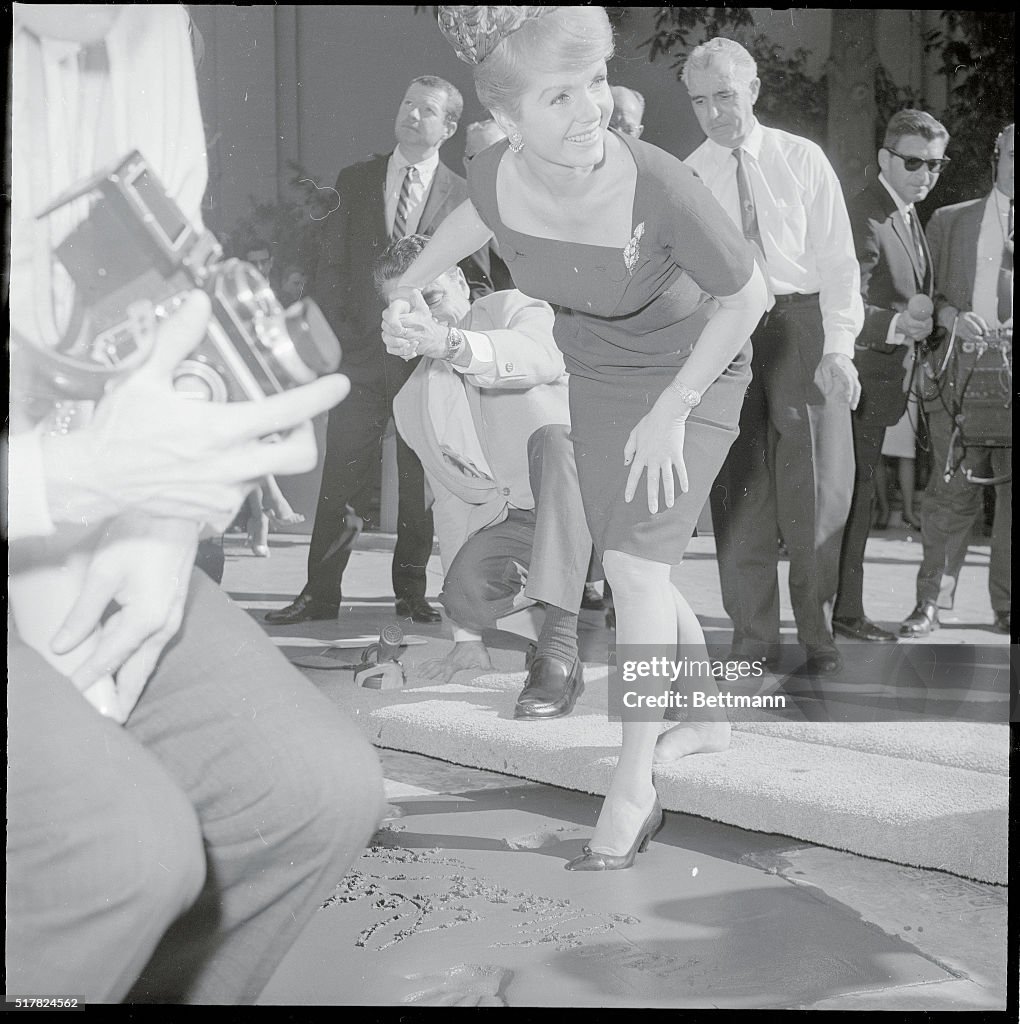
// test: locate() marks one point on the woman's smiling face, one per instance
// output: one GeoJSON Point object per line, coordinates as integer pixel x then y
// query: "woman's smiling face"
{"type": "Point", "coordinates": [563, 116]}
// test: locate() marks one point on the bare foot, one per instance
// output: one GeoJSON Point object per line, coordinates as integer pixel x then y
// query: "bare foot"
{"type": "Point", "coordinates": [691, 738]}
{"type": "Point", "coordinates": [468, 654]}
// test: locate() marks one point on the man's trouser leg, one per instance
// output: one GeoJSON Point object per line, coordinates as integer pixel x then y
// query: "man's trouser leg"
{"type": "Point", "coordinates": [744, 514]}
{"type": "Point", "coordinates": [867, 452]}
{"type": "Point", "coordinates": [814, 468]}
{"type": "Point", "coordinates": [353, 450]}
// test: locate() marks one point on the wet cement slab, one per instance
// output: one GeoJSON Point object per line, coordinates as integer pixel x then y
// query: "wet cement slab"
{"type": "Point", "coordinates": [462, 899]}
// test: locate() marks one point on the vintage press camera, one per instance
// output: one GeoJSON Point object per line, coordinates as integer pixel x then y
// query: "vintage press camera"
{"type": "Point", "coordinates": [135, 255]}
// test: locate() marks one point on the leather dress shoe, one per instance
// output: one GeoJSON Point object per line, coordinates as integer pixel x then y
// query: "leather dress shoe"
{"type": "Point", "coordinates": [769, 655]}
{"type": "Point", "coordinates": [923, 620]}
{"type": "Point", "coordinates": [551, 690]}
{"type": "Point", "coordinates": [302, 609]}
{"type": "Point", "coordinates": [1001, 624]}
{"type": "Point", "coordinates": [417, 609]}
{"type": "Point", "coordinates": [823, 663]}
{"type": "Point", "coordinates": [862, 629]}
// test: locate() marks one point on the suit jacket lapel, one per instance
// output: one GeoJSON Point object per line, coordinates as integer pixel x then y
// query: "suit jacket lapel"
{"type": "Point", "coordinates": [970, 229]}
{"type": "Point", "coordinates": [441, 186]}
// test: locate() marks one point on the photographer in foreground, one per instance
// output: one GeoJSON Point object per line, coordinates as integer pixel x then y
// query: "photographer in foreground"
{"type": "Point", "coordinates": [180, 800]}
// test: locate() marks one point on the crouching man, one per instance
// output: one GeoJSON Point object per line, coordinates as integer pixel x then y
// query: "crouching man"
{"type": "Point", "coordinates": [486, 412]}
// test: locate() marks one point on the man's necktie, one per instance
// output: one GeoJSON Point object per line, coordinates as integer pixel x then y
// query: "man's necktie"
{"type": "Point", "coordinates": [915, 233]}
{"type": "Point", "coordinates": [749, 220]}
{"type": "Point", "coordinates": [404, 203]}
{"type": "Point", "coordinates": [1005, 286]}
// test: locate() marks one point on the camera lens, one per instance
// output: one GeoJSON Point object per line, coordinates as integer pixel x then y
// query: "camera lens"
{"type": "Point", "coordinates": [313, 339]}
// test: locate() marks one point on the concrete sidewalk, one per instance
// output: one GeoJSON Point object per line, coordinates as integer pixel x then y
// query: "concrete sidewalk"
{"type": "Point", "coordinates": [454, 908]}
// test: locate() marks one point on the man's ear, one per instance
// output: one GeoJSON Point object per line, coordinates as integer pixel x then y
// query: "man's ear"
{"type": "Point", "coordinates": [451, 129]}
{"type": "Point", "coordinates": [754, 87]}
{"type": "Point", "coordinates": [883, 160]}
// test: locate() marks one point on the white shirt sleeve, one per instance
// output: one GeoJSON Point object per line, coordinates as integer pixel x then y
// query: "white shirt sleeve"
{"type": "Point", "coordinates": [28, 513]}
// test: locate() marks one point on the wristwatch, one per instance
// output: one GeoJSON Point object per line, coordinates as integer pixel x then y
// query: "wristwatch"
{"type": "Point", "coordinates": [687, 395]}
{"type": "Point", "coordinates": [455, 341]}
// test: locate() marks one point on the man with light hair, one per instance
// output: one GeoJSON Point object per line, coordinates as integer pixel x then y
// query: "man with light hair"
{"type": "Point", "coordinates": [790, 473]}
{"type": "Point", "coordinates": [387, 197]}
{"type": "Point", "coordinates": [628, 110]}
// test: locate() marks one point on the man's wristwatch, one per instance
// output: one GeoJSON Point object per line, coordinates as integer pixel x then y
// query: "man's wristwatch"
{"type": "Point", "coordinates": [687, 395]}
{"type": "Point", "coordinates": [455, 342]}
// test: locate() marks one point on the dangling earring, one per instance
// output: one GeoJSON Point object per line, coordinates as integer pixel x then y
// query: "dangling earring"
{"type": "Point", "coordinates": [516, 141]}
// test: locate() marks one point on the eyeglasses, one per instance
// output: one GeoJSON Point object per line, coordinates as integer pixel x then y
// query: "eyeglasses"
{"type": "Point", "coordinates": [915, 163]}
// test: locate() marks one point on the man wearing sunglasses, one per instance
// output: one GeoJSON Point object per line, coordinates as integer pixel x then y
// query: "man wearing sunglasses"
{"type": "Point", "coordinates": [895, 266]}
{"type": "Point", "coordinates": [972, 256]}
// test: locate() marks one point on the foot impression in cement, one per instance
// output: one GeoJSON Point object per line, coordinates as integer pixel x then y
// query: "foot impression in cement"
{"type": "Point", "coordinates": [463, 985]}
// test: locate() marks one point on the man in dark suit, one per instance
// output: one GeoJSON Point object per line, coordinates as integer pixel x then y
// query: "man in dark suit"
{"type": "Point", "coordinates": [972, 256]}
{"type": "Point", "coordinates": [895, 266]}
{"type": "Point", "coordinates": [387, 197]}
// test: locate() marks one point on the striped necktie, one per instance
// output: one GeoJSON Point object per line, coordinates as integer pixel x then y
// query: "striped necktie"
{"type": "Point", "coordinates": [749, 220]}
{"type": "Point", "coordinates": [916, 235]}
{"type": "Point", "coordinates": [404, 203]}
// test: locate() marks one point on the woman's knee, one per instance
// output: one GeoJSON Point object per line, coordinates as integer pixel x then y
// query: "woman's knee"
{"type": "Point", "coordinates": [632, 574]}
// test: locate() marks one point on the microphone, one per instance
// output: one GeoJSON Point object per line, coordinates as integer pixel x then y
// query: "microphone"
{"type": "Point", "coordinates": [390, 640]}
{"type": "Point", "coordinates": [920, 307]}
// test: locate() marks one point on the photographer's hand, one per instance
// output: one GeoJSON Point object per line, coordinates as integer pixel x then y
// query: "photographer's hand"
{"type": "Point", "coordinates": [143, 564]}
{"type": "Point", "coordinates": [149, 449]}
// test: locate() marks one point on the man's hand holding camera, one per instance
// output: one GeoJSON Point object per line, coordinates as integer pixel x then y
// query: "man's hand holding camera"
{"type": "Point", "coordinates": [152, 450]}
{"type": "Point", "coordinates": [158, 465]}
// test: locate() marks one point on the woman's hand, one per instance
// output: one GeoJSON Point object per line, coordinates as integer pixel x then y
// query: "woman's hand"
{"type": "Point", "coordinates": [656, 445]}
{"type": "Point", "coordinates": [150, 449]}
{"type": "Point", "coordinates": [143, 566]}
{"type": "Point", "coordinates": [413, 332]}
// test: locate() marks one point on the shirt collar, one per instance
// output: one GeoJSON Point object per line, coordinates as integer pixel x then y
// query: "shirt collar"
{"type": "Point", "coordinates": [426, 168]}
{"type": "Point", "coordinates": [752, 144]}
{"type": "Point", "coordinates": [904, 208]}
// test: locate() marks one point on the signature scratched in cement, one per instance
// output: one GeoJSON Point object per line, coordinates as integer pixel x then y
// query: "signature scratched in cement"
{"type": "Point", "coordinates": [413, 904]}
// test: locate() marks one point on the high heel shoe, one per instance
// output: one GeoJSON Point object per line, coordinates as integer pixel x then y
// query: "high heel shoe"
{"type": "Point", "coordinates": [258, 539]}
{"type": "Point", "coordinates": [592, 861]}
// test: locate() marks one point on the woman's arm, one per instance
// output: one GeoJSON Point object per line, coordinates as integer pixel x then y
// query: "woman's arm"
{"type": "Point", "coordinates": [725, 334]}
{"type": "Point", "coordinates": [457, 237]}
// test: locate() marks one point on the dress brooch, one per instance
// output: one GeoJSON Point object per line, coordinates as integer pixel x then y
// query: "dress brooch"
{"type": "Point", "coordinates": [632, 251]}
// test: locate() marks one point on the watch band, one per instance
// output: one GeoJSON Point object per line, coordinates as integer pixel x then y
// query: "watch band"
{"type": "Point", "coordinates": [687, 395]}
{"type": "Point", "coordinates": [455, 342]}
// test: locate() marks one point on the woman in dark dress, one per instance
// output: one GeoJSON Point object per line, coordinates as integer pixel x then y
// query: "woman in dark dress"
{"type": "Point", "coordinates": [656, 294]}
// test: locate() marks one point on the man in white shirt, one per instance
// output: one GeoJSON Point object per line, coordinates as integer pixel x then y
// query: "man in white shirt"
{"type": "Point", "coordinates": [972, 253]}
{"type": "Point", "coordinates": [896, 268]}
{"type": "Point", "coordinates": [790, 472]}
{"type": "Point", "coordinates": [486, 410]}
{"type": "Point", "coordinates": [387, 197]}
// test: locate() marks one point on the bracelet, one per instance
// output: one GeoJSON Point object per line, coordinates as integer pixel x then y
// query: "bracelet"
{"type": "Point", "coordinates": [455, 341]}
{"type": "Point", "coordinates": [687, 395]}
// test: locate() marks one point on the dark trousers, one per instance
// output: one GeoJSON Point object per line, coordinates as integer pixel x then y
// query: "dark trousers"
{"type": "Point", "coordinates": [177, 858]}
{"type": "Point", "coordinates": [948, 516]}
{"type": "Point", "coordinates": [789, 473]}
{"type": "Point", "coordinates": [539, 554]}
{"type": "Point", "coordinates": [353, 449]}
{"type": "Point", "coordinates": [867, 451]}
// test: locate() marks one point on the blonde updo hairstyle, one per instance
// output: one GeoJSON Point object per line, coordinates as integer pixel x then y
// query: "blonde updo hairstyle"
{"type": "Point", "coordinates": [566, 39]}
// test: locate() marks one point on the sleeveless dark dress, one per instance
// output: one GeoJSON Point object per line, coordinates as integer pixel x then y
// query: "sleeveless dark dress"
{"type": "Point", "coordinates": [626, 321]}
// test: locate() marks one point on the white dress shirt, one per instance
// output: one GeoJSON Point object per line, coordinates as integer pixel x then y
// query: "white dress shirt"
{"type": "Point", "coordinates": [802, 217]}
{"type": "Point", "coordinates": [991, 239]}
{"type": "Point", "coordinates": [419, 190]}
